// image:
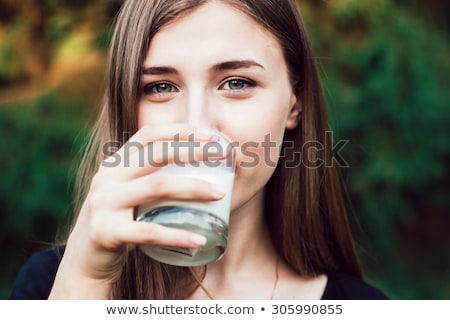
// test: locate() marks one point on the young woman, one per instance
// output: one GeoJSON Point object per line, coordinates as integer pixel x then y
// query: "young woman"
{"type": "Point", "coordinates": [176, 68]}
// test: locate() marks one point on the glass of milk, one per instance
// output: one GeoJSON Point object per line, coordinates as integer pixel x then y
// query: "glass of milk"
{"type": "Point", "coordinates": [208, 218]}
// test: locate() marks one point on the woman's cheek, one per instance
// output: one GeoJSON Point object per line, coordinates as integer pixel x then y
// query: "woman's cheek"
{"type": "Point", "coordinates": [256, 162]}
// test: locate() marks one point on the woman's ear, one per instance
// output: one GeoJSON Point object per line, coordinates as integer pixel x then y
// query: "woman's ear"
{"type": "Point", "coordinates": [295, 114]}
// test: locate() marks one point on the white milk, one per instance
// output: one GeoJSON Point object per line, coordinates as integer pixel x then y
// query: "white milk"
{"type": "Point", "coordinates": [208, 218]}
{"type": "Point", "coordinates": [220, 208]}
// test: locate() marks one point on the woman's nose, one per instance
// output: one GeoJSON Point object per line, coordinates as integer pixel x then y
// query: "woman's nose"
{"type": "Point", "coordinates": [199, 109]}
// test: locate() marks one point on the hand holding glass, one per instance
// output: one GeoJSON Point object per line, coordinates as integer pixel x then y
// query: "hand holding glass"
{"type": "Point", "coordinates": [208, 218]}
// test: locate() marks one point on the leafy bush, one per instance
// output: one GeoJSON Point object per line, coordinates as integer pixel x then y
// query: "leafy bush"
{"type": "Point", "coordinates": [386, 75]}
{"type": "Point", "coordinates": [39, 143]}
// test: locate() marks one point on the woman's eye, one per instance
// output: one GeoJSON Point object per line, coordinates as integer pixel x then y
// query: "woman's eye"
{"type": "Point", "coordinates": [237, 84]}
{"type": "Point", "coordinates": [160, 88]}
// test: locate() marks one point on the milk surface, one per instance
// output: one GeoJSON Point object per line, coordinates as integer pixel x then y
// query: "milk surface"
{"type": "Point", "coordinates": [220, 176]}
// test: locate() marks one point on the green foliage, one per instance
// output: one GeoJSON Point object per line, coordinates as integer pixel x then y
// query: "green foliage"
{"type": "Point", "coordinates": [35, 157]}
{"type": "Point", "coordinates": [11, 62]}
{"type": "Point", "coordinates": [386, 77]}
{"type": "Point", "coordinates": [33, 33]}
{"type": "Point", "coordinates": [39, 143]}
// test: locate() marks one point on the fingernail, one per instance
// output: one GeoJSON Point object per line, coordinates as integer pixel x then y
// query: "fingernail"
{"type": "Point", "coordinates": [198, 240]}
{"type": "Point", "coordinates": [204, 133]}
{"type": "Point", "coordinates": [217, 190]}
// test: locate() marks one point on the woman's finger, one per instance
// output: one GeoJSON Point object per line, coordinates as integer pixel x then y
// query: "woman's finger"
{"type": "Point", "coordinates": [116, 232]}
{"type": "Point", "coordinates": [167, 132]}
{"type": "Point", "coordinates": [155, 187]}
{"type": "Point", "coordinates": [161, 153]}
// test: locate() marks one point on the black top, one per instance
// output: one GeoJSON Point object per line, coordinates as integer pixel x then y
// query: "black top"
{"type": "Point", "coordinates": [35, 280]}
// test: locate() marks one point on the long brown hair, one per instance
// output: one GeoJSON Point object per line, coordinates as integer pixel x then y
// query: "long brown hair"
{"type": "Point", "coordinates": [305, 205]}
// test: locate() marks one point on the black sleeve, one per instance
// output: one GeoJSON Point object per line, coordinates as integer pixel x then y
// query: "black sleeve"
{"type": "Point", "coordinates": [36, 277]}
{"type": "Point", "coordinates": [342, 286]}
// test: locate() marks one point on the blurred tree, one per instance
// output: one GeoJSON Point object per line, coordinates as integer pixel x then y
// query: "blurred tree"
{"type": "Point", "coordinates": [39, 38]}
{"type": "Point", "coordinates": [52, 56]}
{"type": "Point", "coordinates": [386, 75]}
{"type": "Point", "coordinates": [434, 12]}
{"type": "Point", "coordinates": [385, 68]}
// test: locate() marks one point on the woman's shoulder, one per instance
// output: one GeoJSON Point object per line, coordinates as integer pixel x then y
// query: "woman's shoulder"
{"type": "Point", "coordinates": [342, 286]}
{"type": "Point", "coordinates": [35, 279]}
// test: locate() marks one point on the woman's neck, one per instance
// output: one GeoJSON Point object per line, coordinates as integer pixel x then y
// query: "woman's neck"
{"type": "Point", "coordinates": [251, 267]}
{"type": "Point", "coordinates": [248, 237]}
{"type": "Point", "coordinates": [249, 257]}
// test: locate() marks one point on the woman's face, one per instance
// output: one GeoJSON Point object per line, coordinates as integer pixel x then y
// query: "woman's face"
{"type": "Point", "coordinates": [217, 68]}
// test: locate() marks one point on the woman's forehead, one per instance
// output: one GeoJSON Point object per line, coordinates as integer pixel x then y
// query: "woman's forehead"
{"type": "Point", "coordinates": [215, 31]}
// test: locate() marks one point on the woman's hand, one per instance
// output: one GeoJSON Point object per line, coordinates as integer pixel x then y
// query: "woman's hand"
{"type": "Point", "coordinates": [106, 229]}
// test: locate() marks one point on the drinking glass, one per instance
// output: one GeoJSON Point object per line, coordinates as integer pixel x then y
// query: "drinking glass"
{"type": "Point", "coordinates": [208, 218]}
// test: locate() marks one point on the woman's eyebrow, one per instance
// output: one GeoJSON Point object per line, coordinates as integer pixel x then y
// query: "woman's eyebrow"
{"type": "Point", "coordinates": [235, 64]}
{"type": "Point", "coordinates": [159, 70]}
{"type": "Point", "coordinates": [222, 66]}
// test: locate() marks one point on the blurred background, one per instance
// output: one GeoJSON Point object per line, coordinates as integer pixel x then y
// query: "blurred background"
{"type": "Point", "coordinates": [386, 69]}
